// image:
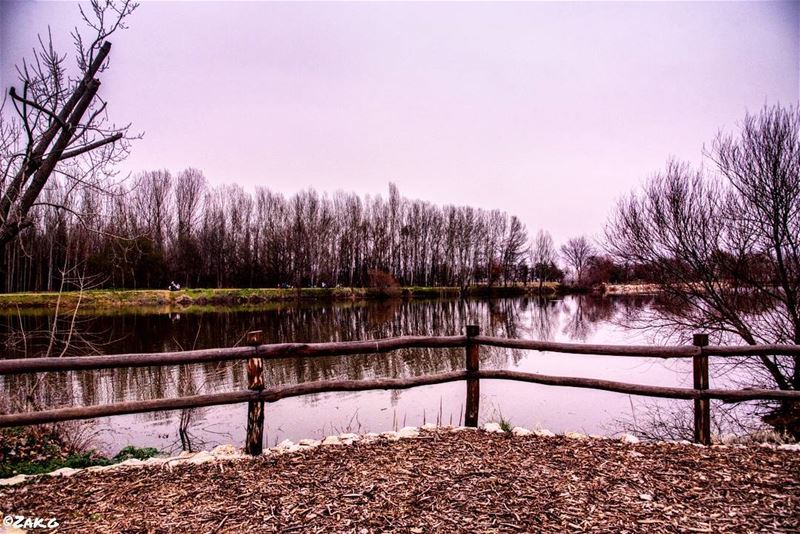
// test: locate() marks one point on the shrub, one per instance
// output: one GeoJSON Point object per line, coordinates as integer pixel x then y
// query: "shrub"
{"type": "Point", "coordinates": [384, 282]}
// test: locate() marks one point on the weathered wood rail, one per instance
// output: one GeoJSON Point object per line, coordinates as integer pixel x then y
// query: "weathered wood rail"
{"type": "Point", "coordinates": [258, 394]}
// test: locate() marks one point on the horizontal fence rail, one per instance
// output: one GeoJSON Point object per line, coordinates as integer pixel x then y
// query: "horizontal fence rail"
{"type": "Point", "coordinates": [278, 350]}
{"type": "Point", "coordinates": [329, 386]}
{"type": "Point", "coordinates": [257, 394]}
{"type": "Point", "coordinates": [344, 348]}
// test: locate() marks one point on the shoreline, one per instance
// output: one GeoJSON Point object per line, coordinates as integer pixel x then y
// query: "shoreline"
{"type": "Point", "coordinates": [224, 452]}
{"type": "Point", "coordinates": [185, 298]}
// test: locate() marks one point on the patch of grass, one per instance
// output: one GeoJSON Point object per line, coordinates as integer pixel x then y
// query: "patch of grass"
{"type": "Point", "coordinates": [33, 451]}
{"type": "Point", "coordinates": [431, 292]}
{"type": "Point", "coordinates": [11, 469]}
{"type": "Point", "coordinates": [138, 453]}
{"type": "Point", "coordinates": [505, 425]}
{"type": "Point", "coordinates": [74, 461]}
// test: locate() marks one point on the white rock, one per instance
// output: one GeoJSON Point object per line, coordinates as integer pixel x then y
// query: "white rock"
{"type": "Point", "coordinates": [429, 426]}
{"type": "Point", "coordinates": [493, 428]}
{"type": "Point", "coordinates": [348, 438]}
{"type": "Point", "coordinates": [332, 440]}
{"type": "Point", "coordinates": [519, 431]}
{"type": "Point", "coordinates": [13, 480]}
{"type": "Point", "coordinates": [156, 461]}
{"type": "Point", "coordinates": [635, 454]}
{"type": "Point", "coordinates": [131, 462]}
{"type": "Point", "coordinates": [391, 436]}
{"type": "Point", "coordinates": [178, 460]}
{"type": "Point", "coordinates": [201, 458]}
{"type": "Point", "coordinates": [408, 432]}
{"type": "Point", "coordinates": [95, 468]}
{"type": "Point", "coordinates": [309, 443]}
{"type": "Point", "coordinates": [462, 428]}
{"type": "Point", "coordinates": [645, 497]}
{"type": "Point", "coordinates": [575, 435]}
{"type": "Point", "coordinates": [629, 438]}
{"type": "Point", "coordinates": [226, 450]}
{"type": "Point", "coordinates": [64, 472]}
{"type": "Point", "coordinates": [790, 447]}
{"type": "Point", "coordinates": [286, 445]}
{"type": "Point", "coordinates": [543, 432]}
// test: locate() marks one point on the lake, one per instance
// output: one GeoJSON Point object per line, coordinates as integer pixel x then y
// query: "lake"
{"type": "Point", "coordinates": [574, 318]}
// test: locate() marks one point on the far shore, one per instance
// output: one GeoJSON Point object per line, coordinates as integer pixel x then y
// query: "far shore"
{"type": "Point", "coordinates": [111, 298]}
{"type": "Point", "coordinates": [631, 289]}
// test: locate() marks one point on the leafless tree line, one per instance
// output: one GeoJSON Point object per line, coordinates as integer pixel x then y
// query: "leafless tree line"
{"type": "Point", "coordinates": [158, 227]}
{"type": "Point", "coordinates": [161, 227]}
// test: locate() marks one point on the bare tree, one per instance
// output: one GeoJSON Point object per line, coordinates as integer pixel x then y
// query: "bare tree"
{"type": "Point", "coordinates": [726, 250]}
{"type": "Point", "coordinates": [61, 128]}
{"type": "Point", "coordinates": [190, 187]}
{"type": "Point", "coordinates": [577, 252]}
{"type": "Point", "coordinates": [514, 249]}
{"type": "Point", "coordinates": [542, 256]}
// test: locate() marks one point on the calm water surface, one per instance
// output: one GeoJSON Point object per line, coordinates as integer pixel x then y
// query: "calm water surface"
{"type": "Point", "coordinates": [573, 318]}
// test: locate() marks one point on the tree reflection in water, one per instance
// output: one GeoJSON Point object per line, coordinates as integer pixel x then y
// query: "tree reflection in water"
{"type": "Point", "coordinates": [572, 318]}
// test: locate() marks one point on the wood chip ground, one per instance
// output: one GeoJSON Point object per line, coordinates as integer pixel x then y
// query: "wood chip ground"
{"type": "Point", "coordinates": [440, 482]}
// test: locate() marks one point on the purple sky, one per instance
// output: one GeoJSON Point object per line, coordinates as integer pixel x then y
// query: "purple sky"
{"type": "Point", "coordinates": [548, 111]}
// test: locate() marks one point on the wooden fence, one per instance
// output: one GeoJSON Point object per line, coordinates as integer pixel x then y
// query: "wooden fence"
{"type": "Point", "coordinates": [259, 393]}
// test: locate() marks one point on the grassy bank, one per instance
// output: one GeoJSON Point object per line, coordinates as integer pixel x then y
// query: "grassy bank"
{"type": "Point", "coordinates": [43, 449]}
{"type": "Point", "coordinates": [200, 297]}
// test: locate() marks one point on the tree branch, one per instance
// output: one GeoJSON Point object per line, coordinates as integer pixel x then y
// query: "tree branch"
{"type": "Point", "coordinates": [13, 93]}
{"type": "Point", "coordinates": [91, 146]}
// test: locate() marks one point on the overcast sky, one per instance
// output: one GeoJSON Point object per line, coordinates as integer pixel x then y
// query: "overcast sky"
{"type": "Point", "coordinates": [547, 111]}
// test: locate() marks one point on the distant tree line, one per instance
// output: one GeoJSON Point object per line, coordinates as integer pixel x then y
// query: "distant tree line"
{"type": "Point", "coordinates": [160, 227]}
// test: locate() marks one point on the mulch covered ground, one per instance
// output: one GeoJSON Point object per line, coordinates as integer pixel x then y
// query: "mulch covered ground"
{"type": "Point", "coordinates": [439, 482]}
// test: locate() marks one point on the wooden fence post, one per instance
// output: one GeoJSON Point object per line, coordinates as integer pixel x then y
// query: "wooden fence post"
{"type": "Point", "coordinates": [702, 407]}
{"type": "Point", "coordinates": [473, 384]}
{"type": "Point", "coordinates": [254, 443]}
